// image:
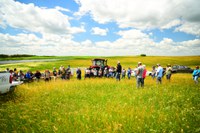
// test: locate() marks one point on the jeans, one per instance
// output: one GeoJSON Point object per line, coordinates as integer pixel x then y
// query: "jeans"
{"type": "Point", "coordinates": [118, 76]}
{"type": "Point", "coordinates": [140, 82]}
{"type": "Point", "coordinates": [196, 79]}
{"type": "Point", "coordinates": [159, 80]}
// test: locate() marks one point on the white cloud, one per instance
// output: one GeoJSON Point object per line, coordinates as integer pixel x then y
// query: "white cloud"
{"type": "Point", "coordinates": [64, 45]}
{"type": "Point", "coordinates": [99, 31]}
{"type": "Point", "coordinates": [190, 28]}
{"type": "Point", "coordinates": [143, 14]}
{"type": "Point", "coordinates": [62, 9]}
{"type": "Point", "coordinates": [35, 19]}
{"type": "Point", "coordinates": [173, 23]}
{"type": "Point", "coordinates": [57, 32]}
{"type": "Point", "coordinates": [87, 43]}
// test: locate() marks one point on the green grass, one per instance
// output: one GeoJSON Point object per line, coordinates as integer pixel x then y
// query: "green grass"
{"type": "Point", "coordinates": [102, 105]}
{"type": "Point", "coordinates": [85, 61]}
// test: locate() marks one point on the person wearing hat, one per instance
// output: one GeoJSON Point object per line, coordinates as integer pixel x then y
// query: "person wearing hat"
{"type": "Point", "coordinates": [139, 74]}
{"type": "Point", "coordinates": [159, 74]}
{"type": "Point", "coordinates": [168, 72]}
{"type": "Point", "coordinates": [196, 74]}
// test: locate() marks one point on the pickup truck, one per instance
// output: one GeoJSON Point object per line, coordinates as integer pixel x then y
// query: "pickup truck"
{"type": "Point", "coordinates": [6, 83]}
{"type": "Point", "coordinates": [181, 69]}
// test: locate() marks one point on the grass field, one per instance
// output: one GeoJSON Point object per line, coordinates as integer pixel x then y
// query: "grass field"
{"type": "Point", "coordinates": [85, 61]}
{"type": "Point", "coordinates": [105, 105]}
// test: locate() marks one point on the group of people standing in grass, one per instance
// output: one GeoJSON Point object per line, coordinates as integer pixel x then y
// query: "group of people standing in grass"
{"type": "Point", "coordinates": [140, 73]}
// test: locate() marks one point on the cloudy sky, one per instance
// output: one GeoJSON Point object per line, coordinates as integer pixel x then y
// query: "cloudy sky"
{"type": "Point", "coordinates": [100, 27]}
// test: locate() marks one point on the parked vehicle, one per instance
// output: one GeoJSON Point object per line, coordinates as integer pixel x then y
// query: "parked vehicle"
{"type": "Point", "coordinates": [181, 69]}
{"type": "Point", "coordinates": [98, 66]}
{"type": "Point", "coordinates": [99, 63]}
{"type": "Point", "coordinates": [6, 83]}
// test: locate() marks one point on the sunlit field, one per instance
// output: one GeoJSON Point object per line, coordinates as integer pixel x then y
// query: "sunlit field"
{"type": "Point", "coordinates": [126, 61]}
{"type": "Point", "coordinates": [103, 104]}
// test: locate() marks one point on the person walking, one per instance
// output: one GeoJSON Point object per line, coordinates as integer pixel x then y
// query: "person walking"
{"type": "Point", "coordinates": [139, 74]}
{"type": "Point", "coordinates": [196, 74]}
{"type": "Point", "coordinates": [159, 74]}
{"type": "Point", "coordinates": [118, 71]}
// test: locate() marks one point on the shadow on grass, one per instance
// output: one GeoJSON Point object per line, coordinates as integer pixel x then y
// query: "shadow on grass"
{"type": "Point", "coordinates": [10, 96]}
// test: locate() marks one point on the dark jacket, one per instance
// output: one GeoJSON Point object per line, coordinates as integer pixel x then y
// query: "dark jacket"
{"type": "Point", "coordinates": [119, 68]}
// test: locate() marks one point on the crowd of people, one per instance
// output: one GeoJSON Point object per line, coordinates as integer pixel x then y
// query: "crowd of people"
{"type": "Point", "coordinates": [29, 76]}
{"type": "Point", "coordinates": [140, 73]}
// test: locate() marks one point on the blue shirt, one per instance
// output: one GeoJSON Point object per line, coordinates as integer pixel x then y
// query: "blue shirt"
{"type": "Point", "coordinates": [159, 72]}
{"type": "Point", "coordinates": [28, 75]}
{"type": "Point", "coordinates": [196, 72]}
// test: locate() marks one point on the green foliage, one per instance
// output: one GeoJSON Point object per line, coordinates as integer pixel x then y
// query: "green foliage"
{"type": "Point", "coordinates": [15, 55]}
{"type": "Point", "coordinates": [143, 55]}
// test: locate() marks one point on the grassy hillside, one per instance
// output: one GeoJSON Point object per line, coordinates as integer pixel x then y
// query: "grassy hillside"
{"type": "Point", "coordinates": [126, 61]}
{"type": "Point", "coordinates": [102, 105]}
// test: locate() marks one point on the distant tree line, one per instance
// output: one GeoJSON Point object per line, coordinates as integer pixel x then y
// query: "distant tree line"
{"type": "Point", "coordinates": [143, 55]}
{"type": "Point", "coordinates": [15, 55]}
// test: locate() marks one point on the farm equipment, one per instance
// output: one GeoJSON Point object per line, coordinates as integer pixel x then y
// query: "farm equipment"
{"type": "Point", "coordinates": [97, 68]}
{"type": "Point", "coordinates": [99, 64]}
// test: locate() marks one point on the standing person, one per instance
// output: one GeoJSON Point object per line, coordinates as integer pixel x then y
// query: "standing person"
{"type": "Point", "coordinates": [153, 72]}
{"type": "Point", "coordinates": [46, 75]}
{"type": "Point", "coordinates": [135, 71]}
{"type": "Point", "coordinates": [78, 73]}
{"type": "Point", "coordinates": [110, 72]}
{"type": "Point", "coordinates": [123, 73]}
{"type": "Point", "coordinates": [15, 74]}
{"type": "Point", "coordinates": [100, 72]}
{"type": "Point", "coordinates": [106, 72]}
{"type": "Point", "coordinates": [68, 72]}
{"type": "Point", "coordinates": [159, 74]}
{"type": "Point", "coordinates": [144, 74]}
{"type": "Point", "coordinates": [7, 70]}
{"type": "Point", "coordinates": [196, 74]}
{"type": "Point", "coordinates": [55, 73]}
{"type": "Point", "coordinates": [37, 75]}
{"type": "Point", "coordinates": [28, 76]}
{"type": "Point", "coordinates": [118, 71]}
{"type": "Point", "coordinates": [63, 73]}
{"type": "Point", "coordinates": [139, 74]}
{"type": "Point", "coordinates": [168, 72]}
{"type": "Point", "coordinates": [20, 76]}
{"type": "Point", "coordinates": [129, 73]}
{"type": "Point", "coordinates": [87, 73]}
{"type": "Point", "coordinates": [94, 71]}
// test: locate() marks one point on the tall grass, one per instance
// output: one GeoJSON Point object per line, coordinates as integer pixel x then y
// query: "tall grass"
{"type": "Point", "coordinates": [102, 105]}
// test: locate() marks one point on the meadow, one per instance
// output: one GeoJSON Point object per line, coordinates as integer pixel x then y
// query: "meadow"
{"type": "Point", "coordinates": [104, 105]}
{"type": "Point", "coordinates": [85, 61]}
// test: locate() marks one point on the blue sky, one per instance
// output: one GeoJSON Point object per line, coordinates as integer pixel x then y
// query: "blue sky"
{"type": "Point", "coordinates": [100, 27]}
